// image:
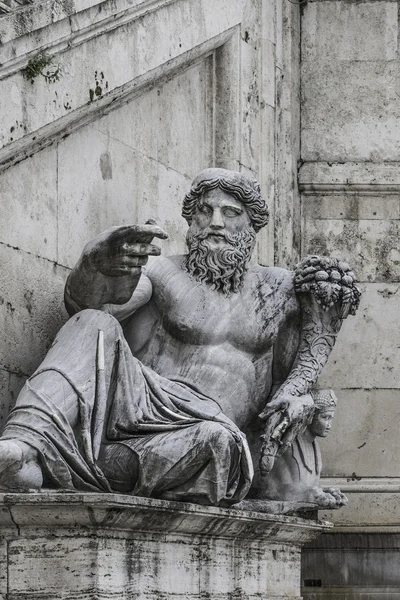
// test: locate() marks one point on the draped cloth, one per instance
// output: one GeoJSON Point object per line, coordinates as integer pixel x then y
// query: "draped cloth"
{"type": "Point", "coordinates": [136, 431]}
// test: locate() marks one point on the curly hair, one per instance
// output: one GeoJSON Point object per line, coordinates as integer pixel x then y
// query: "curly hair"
{"type": "Point", "coordinates": [243, 188]}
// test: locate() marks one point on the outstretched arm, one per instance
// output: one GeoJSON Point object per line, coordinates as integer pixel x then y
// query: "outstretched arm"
{"type": "Point", "coordinates": [109, 268]}
{"type": "Point", "coordinates": [327, 295]}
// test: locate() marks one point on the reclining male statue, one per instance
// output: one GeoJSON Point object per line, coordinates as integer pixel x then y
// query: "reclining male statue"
{"type": "Point", "coordinates": [162, 371]}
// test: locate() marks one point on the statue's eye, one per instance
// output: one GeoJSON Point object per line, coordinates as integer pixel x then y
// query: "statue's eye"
{"type": "Point", "coordinates": [230, 212]}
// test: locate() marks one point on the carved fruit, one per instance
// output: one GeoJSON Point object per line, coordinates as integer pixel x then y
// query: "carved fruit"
{"type": "Point", "coordinates": [347, 280]}
{"type": "Point", "coordinates": [321, 276]}
{"type": "Point", "coordinates": [309, 270]}
{"type": "Point", "coordinates": [335, 276]}
{"type": "Point", "coordinates": [309, 277]}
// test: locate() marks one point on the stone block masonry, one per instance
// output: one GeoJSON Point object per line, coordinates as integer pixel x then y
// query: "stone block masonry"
{"type": "Point", "coordinates": [110, 547]}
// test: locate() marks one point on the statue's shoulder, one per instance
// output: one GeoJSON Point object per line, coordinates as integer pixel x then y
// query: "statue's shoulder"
{"type": "Point", "coordinates": [275, 278]}
{"type": "Point", "coordinates": [163, 267]}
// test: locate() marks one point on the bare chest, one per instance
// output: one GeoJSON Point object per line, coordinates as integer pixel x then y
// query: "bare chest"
{"type": "Point", "coordinates": [195, 314]}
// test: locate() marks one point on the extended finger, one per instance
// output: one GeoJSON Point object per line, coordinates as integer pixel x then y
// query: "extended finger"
{"type": "Point", "coordinates": [144, 233]}
{"type": "Point", "coordinates": [152, 231]}
{"type": "Point", "coordinates": [136, 233]}
{"type": "Point", "coordinates": [140, 249]}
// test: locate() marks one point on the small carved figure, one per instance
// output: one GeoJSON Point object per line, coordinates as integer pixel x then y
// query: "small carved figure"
{"type": "Point", "coordinates": [295, 475]}
{"type": "Point", "coordinates": [164, 368]}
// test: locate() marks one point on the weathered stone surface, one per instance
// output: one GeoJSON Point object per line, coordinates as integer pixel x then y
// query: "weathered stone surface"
{"type": "Point", "coordinates": [364, 439]}
{"type": "Point", "coordinates": [350, 66]}
{"type": "Point", "coordinates": [107, 59]}
{"type": "Point", "coordinates": [31, 308]}
{"type": "Point", "coordinates": [31, 209]}
{"type": "Point", "coordinates": [106, 546]}
{"type": "Point", "coordinates": [130, 167]}
{"type": "Point", "coordinates": [350, 177]}
{"type": "Point", "coordinates": [350, 205]}
{"type": "Point", "coordinates": [152, 124]}
{"type": "Point", "coordinates": [363, 228]}
{"type": "Point", "coordinates": [287, 203]}
{"type": "Point", "coordinates": [366, 32]}
{"type": "Point", "coordinates": [366, 355]}
{"type": "Point", "coordinates": [113, 184]}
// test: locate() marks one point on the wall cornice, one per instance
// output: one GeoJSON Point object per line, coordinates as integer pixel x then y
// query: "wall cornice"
{"type": "Point", "coordinates": [316, 178]}
{"type": "Point", "coordinates": [365, 485]}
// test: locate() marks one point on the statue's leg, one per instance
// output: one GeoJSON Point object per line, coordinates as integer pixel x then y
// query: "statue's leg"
{"type": "Point", "coordinates": [197, 463]}
{"type": "Point", "coordinates": [47, 420]}
{"type": "Point", "coordinates": [19, 461]}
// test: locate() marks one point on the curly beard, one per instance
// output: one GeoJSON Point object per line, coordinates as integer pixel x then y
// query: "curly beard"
{"type": "Point", "coordinates": [223, 268]}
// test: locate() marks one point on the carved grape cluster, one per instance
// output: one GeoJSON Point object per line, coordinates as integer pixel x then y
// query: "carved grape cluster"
{"type": "Point", "coordinates": [331, 281]}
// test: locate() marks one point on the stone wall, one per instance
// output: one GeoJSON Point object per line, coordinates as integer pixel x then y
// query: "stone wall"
{"type": "Point", "coordinates": [150, 92]}
{"type": "Point", "coordinates": [349, 179]}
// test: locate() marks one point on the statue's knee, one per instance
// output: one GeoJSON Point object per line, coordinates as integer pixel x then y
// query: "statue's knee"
{"type": "Point", "coordinates": [217, 438]}
{"type": "Point", "coordinates": [92, 314]}
{"type": "Point", "coordinates": [90, 318]}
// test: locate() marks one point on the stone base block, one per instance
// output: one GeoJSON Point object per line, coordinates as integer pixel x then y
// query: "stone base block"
{"type": "Point", "coordinates": [60, 546]}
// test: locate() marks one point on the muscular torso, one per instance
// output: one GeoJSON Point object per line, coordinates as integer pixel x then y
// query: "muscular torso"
{"type": "Point", "coordinates": [224, 346]}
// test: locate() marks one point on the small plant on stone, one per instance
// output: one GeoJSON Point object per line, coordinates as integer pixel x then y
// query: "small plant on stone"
{"type": "Point", "coordinates": [41, 64]}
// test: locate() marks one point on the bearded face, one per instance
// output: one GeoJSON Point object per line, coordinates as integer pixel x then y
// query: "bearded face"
{"type": "Point", "coordinates": [221, 265]}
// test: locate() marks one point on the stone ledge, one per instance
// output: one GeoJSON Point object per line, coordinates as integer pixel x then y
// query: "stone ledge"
{"type": "Point", "coordinates": [116, 512]}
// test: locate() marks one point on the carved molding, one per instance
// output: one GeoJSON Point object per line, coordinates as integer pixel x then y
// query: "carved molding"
{"type": "Point", "coordinates": [384, 485]}
{"type": "Point", "coordinates": [369, 178]}
{"type": "Point", "coordinates": [82, 27]}
{"type": "Point", "coordinates": [373, 505]}
{"type": "Point", "coordinates": [52, 132]}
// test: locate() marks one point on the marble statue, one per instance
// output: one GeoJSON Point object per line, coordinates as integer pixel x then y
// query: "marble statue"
{"type": "Point", "coordinates": [175, 376]}
{"type": "Point", "coordinates": [295, 476]}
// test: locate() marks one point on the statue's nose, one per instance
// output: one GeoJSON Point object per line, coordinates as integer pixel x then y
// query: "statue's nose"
{"type": "Point", "coordinates": [217, 221]}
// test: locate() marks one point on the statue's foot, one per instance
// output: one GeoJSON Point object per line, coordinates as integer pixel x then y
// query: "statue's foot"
{"type": "Point", "coordinates": [341, 499]}
{"type": "Point", "coordinates": [328, 498]}
{"type": "Point", "coordinates": [19, 467]}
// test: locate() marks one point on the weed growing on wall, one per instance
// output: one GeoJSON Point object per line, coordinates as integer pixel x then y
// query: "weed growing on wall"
{"type": "Point", "coordinates": [42, 64]}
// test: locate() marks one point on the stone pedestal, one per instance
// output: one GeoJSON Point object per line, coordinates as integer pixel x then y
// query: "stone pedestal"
{"type": "Point", "coordinates": [61, 546]}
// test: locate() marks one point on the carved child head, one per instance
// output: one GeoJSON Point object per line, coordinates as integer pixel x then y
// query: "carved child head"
{"type": "Point", "coordinates": [224, 210]}
{"type": "Point", "coordinates": [325, 405]}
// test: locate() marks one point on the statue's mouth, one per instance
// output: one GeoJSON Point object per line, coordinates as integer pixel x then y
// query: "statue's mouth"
{"type": "Point", "coordinates": [218, 236]}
